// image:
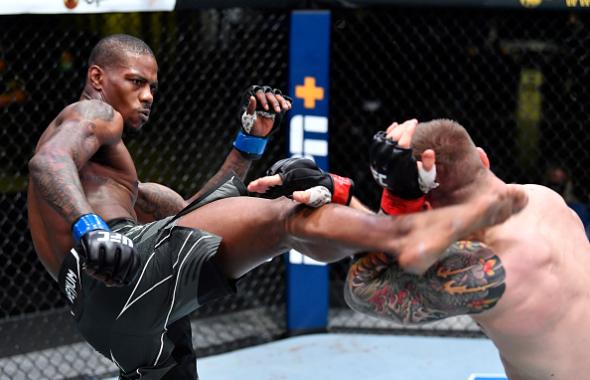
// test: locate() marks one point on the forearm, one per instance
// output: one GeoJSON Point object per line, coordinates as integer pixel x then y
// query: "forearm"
{"type": "Point", "coordinates": [155, 202]}
{"type": "Point", "coordinates": [55, 177]}
{"type": "Point", "coordinates": [235, 163]}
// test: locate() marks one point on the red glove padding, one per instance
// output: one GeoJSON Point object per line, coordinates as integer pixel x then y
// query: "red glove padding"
{"type": "Point", "coordinates": [394, 205]}
{"type": "Point", "coordinates": [342, 193]}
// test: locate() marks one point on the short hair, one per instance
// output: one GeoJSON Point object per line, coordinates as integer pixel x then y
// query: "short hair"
{"type": "Point", "coordinates": [111, 50]}
{"type": "Point", "coordinates": [457, 159]}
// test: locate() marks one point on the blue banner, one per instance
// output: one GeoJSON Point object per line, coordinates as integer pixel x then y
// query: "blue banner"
{"type": "Point", "coordinates": [307, 280]}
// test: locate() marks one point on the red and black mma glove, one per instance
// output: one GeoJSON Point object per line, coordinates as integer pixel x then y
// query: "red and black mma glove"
{"type": "Point", "coordinates": [109, 255]}
{"type": "Point", "coordinates": [299, 174]}
{"type": "Point", "coordinates": [396, 170]}
{"type": "Point", "coordinates": [252, 147]}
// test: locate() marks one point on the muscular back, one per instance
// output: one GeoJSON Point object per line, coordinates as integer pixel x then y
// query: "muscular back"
{"type": "Point", "coordinates": [80, 165]}
{"type": "Point", "coordinates": [540, 324]}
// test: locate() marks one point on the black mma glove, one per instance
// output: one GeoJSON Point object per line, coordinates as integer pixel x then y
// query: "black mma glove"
{"type": "Point", "coordinates": [299, 174]}
{"type": "Point", "coordinates": [396, 169]}
{"type": "Point", "coordinates": [251, 146]}
{"type": "Point", "coordinates": [108, 255]}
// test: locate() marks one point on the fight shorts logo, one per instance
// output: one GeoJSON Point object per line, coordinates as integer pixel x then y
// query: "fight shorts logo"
{"type": "Point", "coordinates": [71, 285]}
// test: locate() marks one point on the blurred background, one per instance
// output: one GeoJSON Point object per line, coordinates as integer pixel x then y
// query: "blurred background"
{"type": "Point", "coordinates": [514, 73]}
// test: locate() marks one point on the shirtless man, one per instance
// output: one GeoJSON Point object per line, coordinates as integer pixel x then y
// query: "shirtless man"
{"type": "Point", "coordinates": [153, 201]}
{"type": "Point", "coordinates": [127, 282]}
{"type": "Point", "coordinates": [524, 281]}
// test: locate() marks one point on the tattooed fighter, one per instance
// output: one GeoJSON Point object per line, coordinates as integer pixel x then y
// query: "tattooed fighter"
{"type": "Point", "coordinates": [524, 281]}
{"type": "Point", "coordinates": [127, 282]}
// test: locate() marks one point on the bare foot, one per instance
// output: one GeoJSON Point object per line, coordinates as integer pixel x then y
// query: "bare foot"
{"type": "Point", "coordinates": [499, 206]}
{"type": "Point", "coordinates": [434, 231]}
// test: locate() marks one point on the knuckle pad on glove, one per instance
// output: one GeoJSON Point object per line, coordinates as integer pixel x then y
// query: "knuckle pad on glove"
{"type": "Point", "coordinates": [297, 173]}
{"type": "Point", "coordinates": [394, 167]}
{"type": "Point", "coordinates": [251, 91]}
{"type": "Point", "coordinates": [287, 164]}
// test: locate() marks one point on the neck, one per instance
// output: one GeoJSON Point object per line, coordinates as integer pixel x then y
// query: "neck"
{"type": "Point", "coordinates": [89, 93]}
{"type": "Point", "coordinates": [484, 182]}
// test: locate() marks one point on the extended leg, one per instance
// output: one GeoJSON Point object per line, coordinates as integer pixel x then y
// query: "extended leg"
{"type": "Point", "coordinates": [254, 230]}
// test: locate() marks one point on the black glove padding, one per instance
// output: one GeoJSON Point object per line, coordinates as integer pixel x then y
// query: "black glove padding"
{"type": "Point", "coordinates": [110, 257]}
{"type": "Point", "coordinates": [394, 168]}
{"type": "Point", "coordinates": [251, 91]}
{"type": "Point", "coordinates": [299, 174]}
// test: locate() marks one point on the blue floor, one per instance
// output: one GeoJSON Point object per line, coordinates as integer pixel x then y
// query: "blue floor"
{"type": "Point", "coordinates": [358, 356]}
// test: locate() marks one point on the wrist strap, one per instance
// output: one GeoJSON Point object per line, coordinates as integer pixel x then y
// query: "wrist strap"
{"type": "Point", "coordinates": [87, 223]}
{"type": "Point", "coordinates": [251, 146]}
{"type": "Point", "coordinates": [342, 189]}
{"type": "Point", "coordinates": [393, 205]}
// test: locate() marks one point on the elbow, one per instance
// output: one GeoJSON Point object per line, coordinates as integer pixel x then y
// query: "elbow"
{"type": "Point", "coordinates": [43, 164]}
{"type": "Point", "coordinates": [348, 293]}
{"type": "Point", "coordinates": [365, 301]}
{"type": "Point", "coordinates": [36, 166]}
{"type": "Point", "coordinates": [352, 298]}
{"type": "Point", "coordinates": [352, 288]}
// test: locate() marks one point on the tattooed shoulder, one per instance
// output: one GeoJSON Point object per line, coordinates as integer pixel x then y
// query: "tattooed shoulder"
{"type": "Point", "coordinates": [94, 110]}
{"type": "Point", "coordinates": [469, 279]}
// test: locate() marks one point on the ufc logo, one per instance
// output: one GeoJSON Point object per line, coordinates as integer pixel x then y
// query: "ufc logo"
{"type": "Point", "coordinates": [380, 178]}
{"type": "Point", "coordinates": [114, 238]}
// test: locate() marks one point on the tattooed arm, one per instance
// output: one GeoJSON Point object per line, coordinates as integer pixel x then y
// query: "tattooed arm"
{"type": "Point", "coordinates": [469, 279]}
{"type": "Point", "coordinates": [156, 201]}
{"type": "Point", "coordinates": [234, 163]}
{"type": "Point", "coordinates": [79, 131]}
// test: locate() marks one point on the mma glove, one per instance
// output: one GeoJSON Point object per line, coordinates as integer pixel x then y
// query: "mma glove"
{"type": "Point", "coordinates": [251, 146]}
{"type": "Point", "coordinates": [299, 174]}
{"type": "Point", "coordinates": [108, 255]}
{"type": "Point", "coordinates": [396, 170]}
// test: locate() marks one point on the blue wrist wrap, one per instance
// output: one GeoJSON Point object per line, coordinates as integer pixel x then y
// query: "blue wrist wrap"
{"type": "Point", "coordinates": [251, 146]}
{"type": "Point", "coordinates": [87, 223]}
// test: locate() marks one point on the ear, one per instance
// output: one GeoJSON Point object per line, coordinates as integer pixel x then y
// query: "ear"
{"type": "Point", "coordinates": [483, 157]}
{"type": "Point", "coordinates": [95, 77]}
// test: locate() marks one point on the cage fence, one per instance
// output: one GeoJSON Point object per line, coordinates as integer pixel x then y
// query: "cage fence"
{"type": "Point", "coordinates": [515, 79]}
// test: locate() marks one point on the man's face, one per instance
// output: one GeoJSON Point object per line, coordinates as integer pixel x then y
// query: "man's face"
{"type": "Point", "coordinates": [130, 88]}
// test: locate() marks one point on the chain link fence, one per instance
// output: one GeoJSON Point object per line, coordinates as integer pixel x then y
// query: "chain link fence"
{"type": "Point", "coordinates": [516, 80]}
{"type": "Point", "coordinates": [206, 59]}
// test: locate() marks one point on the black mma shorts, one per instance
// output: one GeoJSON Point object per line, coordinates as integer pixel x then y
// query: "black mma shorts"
{"type": "Point", "coordinates": [177, 275]}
